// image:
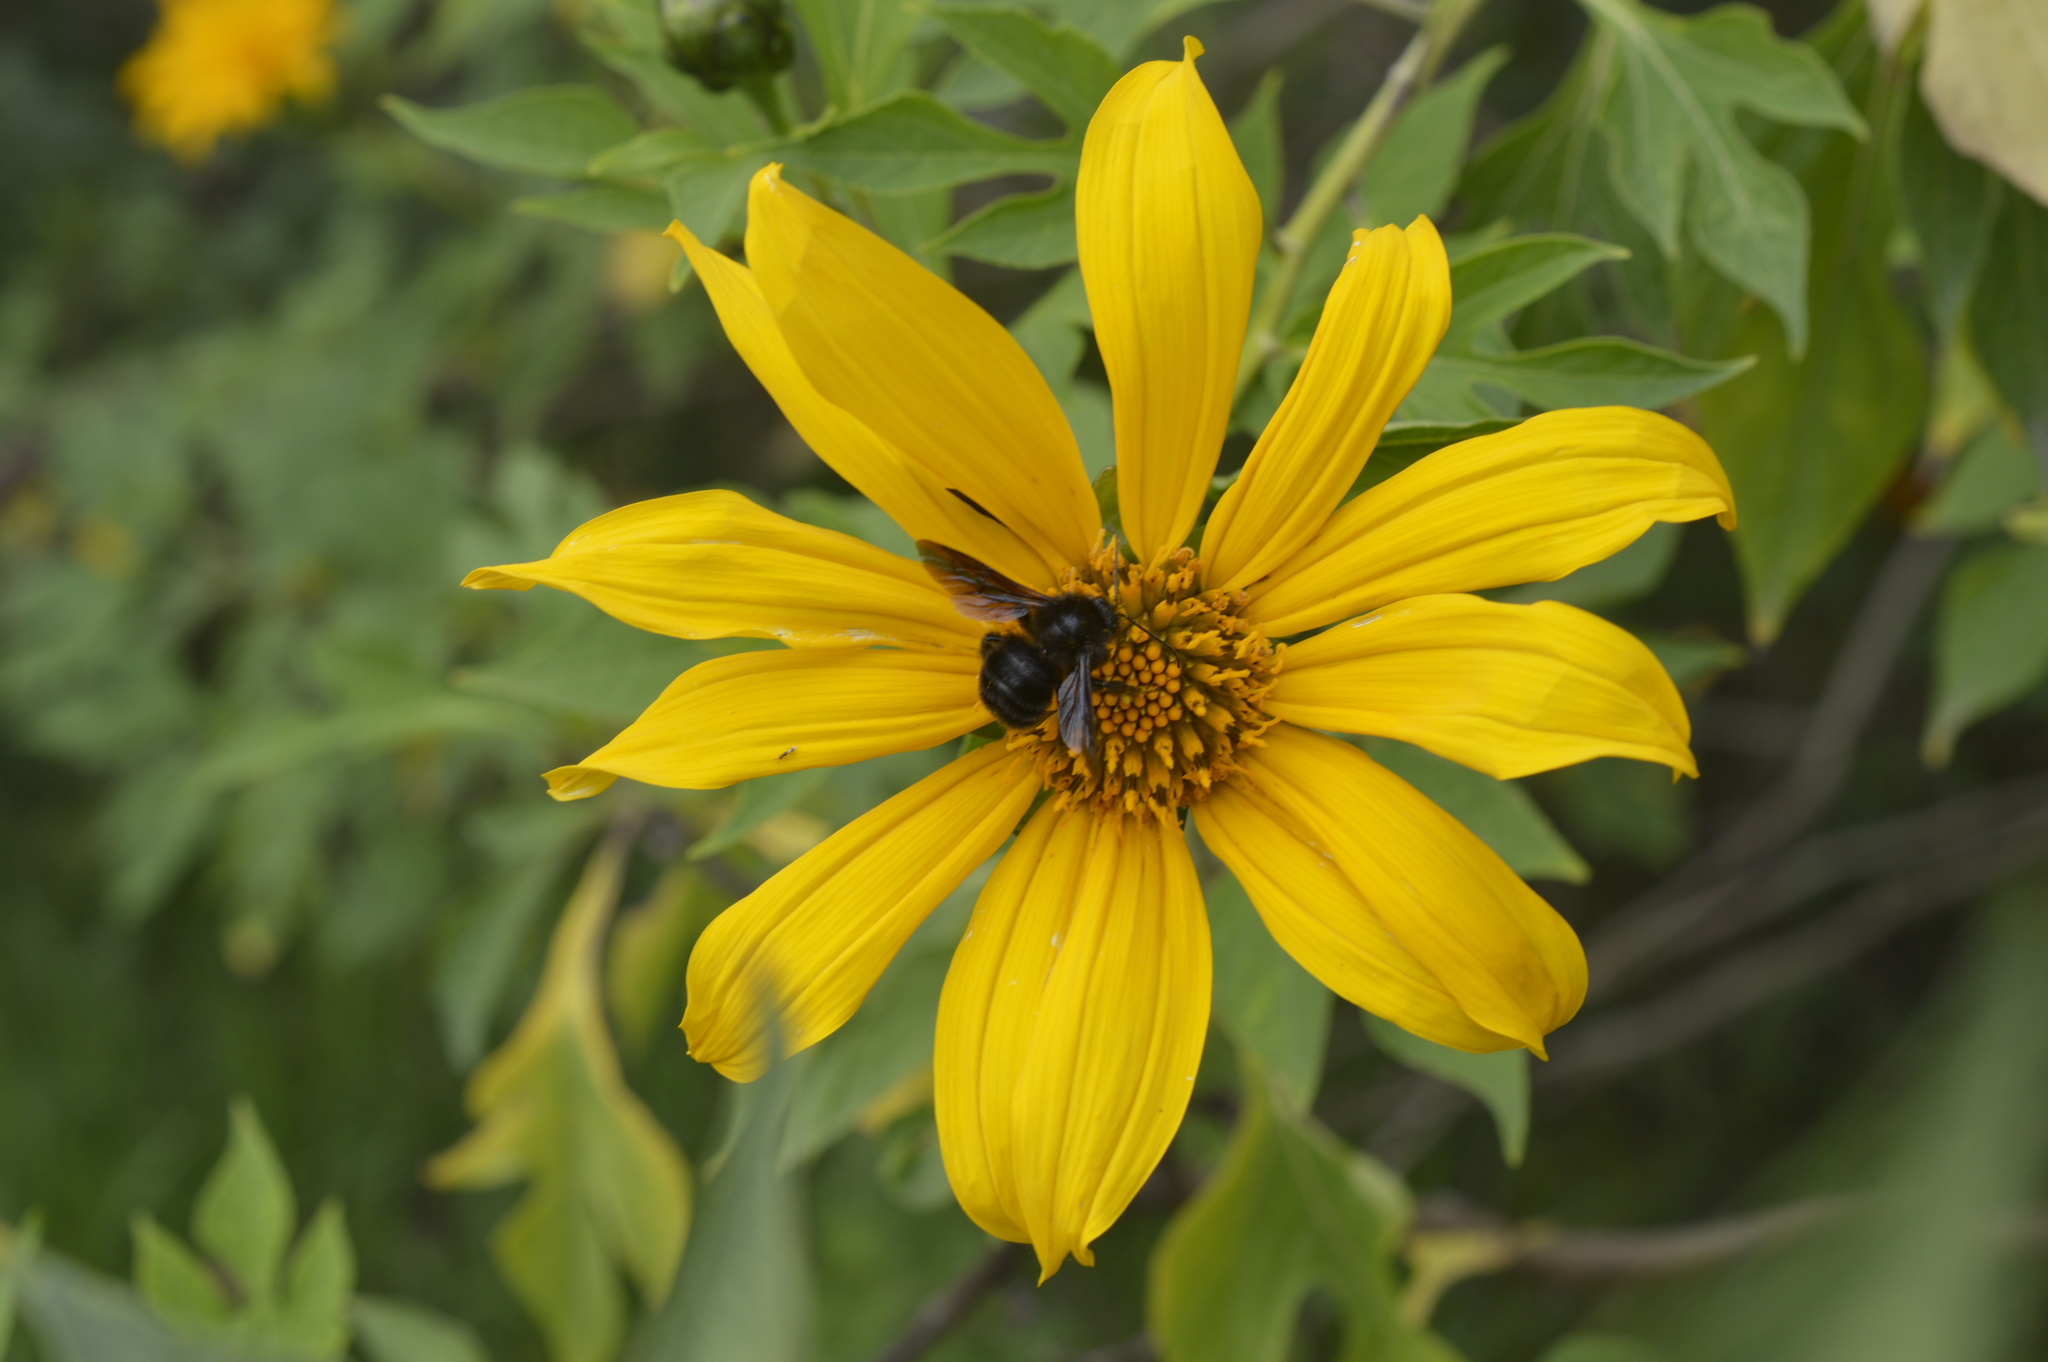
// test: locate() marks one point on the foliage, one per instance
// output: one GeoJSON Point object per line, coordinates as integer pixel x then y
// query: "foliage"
{"type": "Point", "coordinates": [275, 840]}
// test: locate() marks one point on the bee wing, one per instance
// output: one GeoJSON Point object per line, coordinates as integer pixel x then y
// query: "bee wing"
{"type": "Point", "coordinates": [978, 590]}
{"type": "Point", "coordinates": [1077, 711]}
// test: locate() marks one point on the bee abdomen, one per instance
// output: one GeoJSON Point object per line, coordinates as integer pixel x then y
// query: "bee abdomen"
{"type": "Point", "coordinates": [1017, 681]}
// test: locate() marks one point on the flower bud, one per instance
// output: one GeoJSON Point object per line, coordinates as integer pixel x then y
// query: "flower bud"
{"type": "Point", "coordinates": [724, 42]}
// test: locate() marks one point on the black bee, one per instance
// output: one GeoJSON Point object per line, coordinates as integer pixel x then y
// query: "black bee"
{"type": "Point", "coordinates": [1066, 637]}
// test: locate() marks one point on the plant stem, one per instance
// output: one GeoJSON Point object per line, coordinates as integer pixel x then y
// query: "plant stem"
{"type": "Point", "coordinates": [1410, 71]}
{"type": "Point", "coordinates": [1342, 170]}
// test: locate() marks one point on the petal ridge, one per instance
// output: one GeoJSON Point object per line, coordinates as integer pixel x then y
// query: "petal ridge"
{"type": "Point", "coordinates": [1528, 504]}
{"type": "Point", "coordinates": [1070, 1028]}
{"type": "Point", "coordinates": [912, 495]}
{"type": "Point", "coordinates": [1384, 316]}
{"type": "Point", "coordinates": [1168, 227]}
{"type": "Point", "coordinates": [817, 935]}
{"type": "Point", "coordinates": [1391, 902]}
{"type": "Point", "coordinates": [921, 365]}
{"type": "Point", "coordinates": [714, 565]}
{"type": "Point", "coordinates": [764, 713]}
{"type": "Point", "coordinates": [1505, 689]}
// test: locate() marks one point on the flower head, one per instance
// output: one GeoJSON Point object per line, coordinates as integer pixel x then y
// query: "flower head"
{"type": "Point", "coordinates": [1073, 1017]}
{"type": "Point", "coordinates": [223, 66]}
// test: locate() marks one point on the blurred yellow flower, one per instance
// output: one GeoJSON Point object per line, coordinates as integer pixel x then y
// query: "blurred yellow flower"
{"type": "Point", "coordinates": [1073, 1018]}
{"type": "Point", "coordinates": [214, 67]}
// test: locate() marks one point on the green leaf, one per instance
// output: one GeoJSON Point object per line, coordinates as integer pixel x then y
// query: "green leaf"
{"type": "Point", "coordinates": [1021, 231]}
{"type": "Point", "coordinates": [1990, 640]}
{"type": "Point", "coordinates": [1492, 283]}
{"type": "Point", "coordinates": [1600, 1348]}
{"type": "Point", "coordinates": [1406, 441]}
{"type": "Point", "coordinates": [1626, 809]}
{"type": "Point", "coordinates": [607, 1189]}
{"type": "Point", "coordinates": [1051, 330]}
{"type": "Point", "coordinates": [178, 1285]}
{"type": "Point", "coordinates": [644, 964]}
{"type": "Point", "coordinates": [1499, 812]}
{"type": "Point", "coordinates": [1693, 661]}
{"type": "Point", "coordinates": [1416, 167]}
{"type": "Point", "coordinates": [886, 1043]}
{"type": "Point", "coordinates": [391, 1330]}
{"type": "Point", "coordinates": [245, 1211]}
{"type": "Point", "coordinates": [652, 154]}
{"type": "Point", "coordinates": [859, 46]}
{"type": "Point", "coordinates": [572, 662]}
{"type": "Point", "coordinates": [744, 1291]}
{"type": "Point", "coordinates": [1810, 443]}
{"type": "Point", "coordinates": [910, 221]}
{"type": "Point", "coordinates": [1118, 24]}
{"type": "Point", "coordinates": [756, 802]}
{"type": "Point", "coordinates": [312, 1318]}
{"type": "Point", "coordinates": [1289, 1211]}
{"type": "Point", "coordinates": [1951, 203]}
{"type": "Point", "coordinates": [1672, 110]}
{"type": "Point", "coordinates": [707, 196]}
{"type": "Point", "coordinates": [626, 36]}
{"type": "Point", "coordinates": [80, 1316]}
{"type": "Point", "coordinates": [1594, 372]}
{"type": "Point", "coordinates": [2009, 314]}
{"type": "Point", "coordinates": [911, 141]}
{"type": "Point", "coordinates": [1992, 474]}
{"type": "Point", "coordinates": [1059, 63]}
{"type": "Point", "coordinates": [1500, 1080]}
{"type": "Point", "coordinates": [1273, 1010]}
{"type": "Point", "coordinates": [1497, 280]}
{"type": "Point", "coordinates": [550, 130]}
{"type": "Point", "coordinates": [603, 208]}
{"type": "Point", "coordinates": [1256, 134]}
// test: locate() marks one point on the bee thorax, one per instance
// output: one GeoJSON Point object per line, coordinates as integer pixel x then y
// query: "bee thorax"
{"type": "Point", "coordinates": [1178, 677]}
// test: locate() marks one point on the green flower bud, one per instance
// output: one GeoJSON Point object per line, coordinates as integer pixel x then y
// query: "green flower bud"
{"type": "Point", "coordinates": [725, 42]}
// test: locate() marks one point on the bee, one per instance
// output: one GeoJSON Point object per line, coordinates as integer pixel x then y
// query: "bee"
{"type": "Point", "coordinates": [1066, 637]}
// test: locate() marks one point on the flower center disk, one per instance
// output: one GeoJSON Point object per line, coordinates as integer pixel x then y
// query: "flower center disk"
{"type": "Point", "coordinates": [1176, 697]}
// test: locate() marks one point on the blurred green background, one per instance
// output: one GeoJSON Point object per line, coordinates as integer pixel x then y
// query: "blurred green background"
{"type": "Point", "coordinates": [272, 826]}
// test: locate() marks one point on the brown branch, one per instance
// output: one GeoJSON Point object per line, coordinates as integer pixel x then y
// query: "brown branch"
{"type": "Point", "coordinates": [1628, 1035]}
{"type": "Point", "coordinates": [1624, 947]}
{"type": "Point", "coordinates": [1591, 1257]}
{"type": "Point", "coordinates": [943, 1312]}
{"type": "Point", "coordinates": [1820, 764]}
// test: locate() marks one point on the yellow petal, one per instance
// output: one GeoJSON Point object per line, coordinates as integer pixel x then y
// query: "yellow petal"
{"type": "Point", "coordinates": [761, 714]}
{"type": "Point", "coordinates": [1384, 317]}
{"type": "Point", "coordinates": [1169, 228]}
{"type": "Point", "coordinates": [913, 495]}
{"type": "Point", "coordinates": [1505, 689]}
{"type": "Point", "coordinates": [714, 565]}
{"type": "Point", "coordinates": [1530, 504]}
{"type": "Point", "coordinates": [816, 937]}
{"type": "Point", "coordinates": [1070, 1028]}
{"type": "Point", "coordinates": [921, 365]}
{"type": "Point", "coordinates": [1389, 900]}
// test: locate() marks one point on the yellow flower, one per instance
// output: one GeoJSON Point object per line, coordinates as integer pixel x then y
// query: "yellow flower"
{"type": "Point", "coordinates": [224, 66]}
{"type": "Point", "coordinates": [1073, 1018]}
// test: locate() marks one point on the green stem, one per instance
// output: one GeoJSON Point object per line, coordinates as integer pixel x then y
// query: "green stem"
{"type": "Point", "coordinates": [1410, 71]}
{"type": "Point", "coordinates": [1339, 173]}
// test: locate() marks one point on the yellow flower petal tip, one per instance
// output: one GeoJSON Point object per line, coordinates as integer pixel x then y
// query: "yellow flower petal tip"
{"type": "Point", "coordinates": [497, 579]}
{"type": "Point", "coordinates": [577, 782]}
{"type": "Point", "coordinates": [1190, 47]}
{"type": "Point", "coordinates": [215, 67]}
